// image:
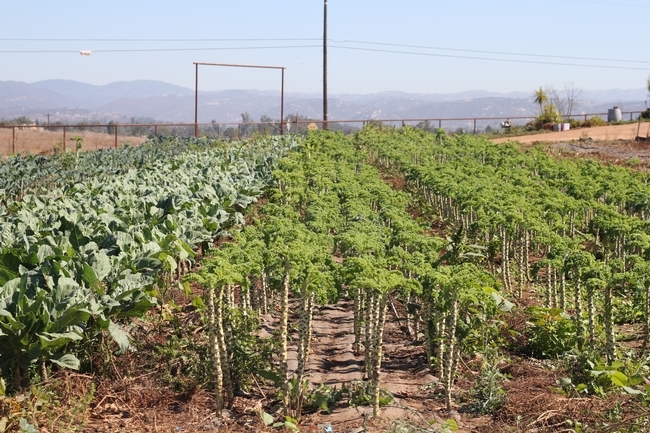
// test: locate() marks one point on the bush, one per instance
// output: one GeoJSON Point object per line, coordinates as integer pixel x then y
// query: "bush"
{"type": "Point", "coordinates": [551, 332]}
{"type": "Point", "coordinates": [646, 114]}
{"type": "Point", "coordinates": [546, 118]}
{"type": "Point", "coordinates": [594, 121]}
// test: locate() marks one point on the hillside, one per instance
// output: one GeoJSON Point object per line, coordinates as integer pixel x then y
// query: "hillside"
{"type": "Point", "coordinates": [71, 101]}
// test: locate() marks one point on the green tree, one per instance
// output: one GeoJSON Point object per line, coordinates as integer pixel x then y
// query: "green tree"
{"type": "Point", "coordinates": [22, 120]}
{"type": "Point", "coordinates": [246, 127]}
{"type": "Point", "coordinates": [268, 124]}
{"type": "Point", "coordinates": [541, 98]}
{"type": "Point", "coordinates": [426, 125]}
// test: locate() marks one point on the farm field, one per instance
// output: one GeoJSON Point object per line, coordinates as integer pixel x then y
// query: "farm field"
{"type": "Point", "coordinates": [31, 140]}
{"type": "Point", "coordinates": [390, 280]}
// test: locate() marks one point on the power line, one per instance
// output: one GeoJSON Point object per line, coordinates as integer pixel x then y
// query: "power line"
{"type": "Point", "coordinates": [490, 58]}
{"type": "Point", "coordinates": [205, 49]}
{"type": "Point", "coordinates": [37, 51]}
{"type": "Point", "coordinates": [605, 3]}
{"type": "Point", "coordinates": [160, 49]}
{"type": "Point", "coordinates": [345, 41]}
{"type": "Point", "coordinates": [594, 59]}
{"type": "Point", "coordinates": [155, 40]}
{"type": "Point", "coordinates": [127, 50]}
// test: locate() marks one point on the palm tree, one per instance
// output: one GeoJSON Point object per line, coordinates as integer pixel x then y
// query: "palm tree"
{"type": "Point", "coordinates": [541, 98]}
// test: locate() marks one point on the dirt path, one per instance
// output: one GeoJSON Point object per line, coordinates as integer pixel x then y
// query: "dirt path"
{"type": "Point", "coordinates": [404, 374]}
{"type": "Point", "coordinates": [333, 361]}
{"type": "Point", "coordinates": [599, 133]}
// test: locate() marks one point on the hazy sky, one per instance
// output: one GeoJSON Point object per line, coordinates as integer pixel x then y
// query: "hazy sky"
{"type": "Point", "coordinates": [454, 45]}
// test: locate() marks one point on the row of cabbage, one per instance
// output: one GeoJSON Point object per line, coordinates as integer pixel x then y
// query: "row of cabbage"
{"type": "Point", "coordinates": [77, 259]}
{"type": "Point", "coordinates": [36, 174]}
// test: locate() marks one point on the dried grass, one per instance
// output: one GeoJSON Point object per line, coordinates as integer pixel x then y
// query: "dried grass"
{"type": "Point", "coordinates": [44, 142]}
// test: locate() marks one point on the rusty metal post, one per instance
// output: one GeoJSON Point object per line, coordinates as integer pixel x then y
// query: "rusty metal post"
{"type": "Point", "coordinates": [325, 116]}
{"type": "Point", "coordinates": [155, 130]}
{"type": "Point", "coordinates": [282, 106]}
{"type": "Point", "coordinates": [64, 138]}
{"type": "Point", "coordinates": [196, 102]}
{"type": "Point", "coordinates": [116, 135]}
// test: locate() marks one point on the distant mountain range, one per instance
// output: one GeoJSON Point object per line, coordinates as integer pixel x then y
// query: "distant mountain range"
{"type": "Point", "coordinates": [71, 101]}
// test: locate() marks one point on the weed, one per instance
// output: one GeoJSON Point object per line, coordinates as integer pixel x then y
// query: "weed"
{"type": "Point", "coordinates": [634, 162]}
{"type": "Point", "coordinates": [487, 393]}
{"type": "Point", "coordinates": [360, 394]}
{"type": "Point", "coordinates": [323, 398]}
{"type": "Point", "coordinates": [42, 407]}
{"type": "Point", "coordinates": [551, 332]}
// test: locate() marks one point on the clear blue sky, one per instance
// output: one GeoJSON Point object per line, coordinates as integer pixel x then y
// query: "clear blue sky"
{"type": "Point", "coordinates": [452, 34]}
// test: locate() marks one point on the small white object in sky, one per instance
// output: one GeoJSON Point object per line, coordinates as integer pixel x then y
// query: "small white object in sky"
{"type": "Point", "coordinates": [86, 53]}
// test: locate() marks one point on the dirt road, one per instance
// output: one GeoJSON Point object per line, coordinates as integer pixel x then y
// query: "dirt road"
{"type": "Point", "coordinates": [599, 133]}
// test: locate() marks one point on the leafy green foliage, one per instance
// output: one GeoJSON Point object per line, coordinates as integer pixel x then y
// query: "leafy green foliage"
{"type": "Point", "coordinates": [551, 332]}
{"type": "Point", "coordinates": [91, 250]}
{"type": "Point", "coordinates": [549, 115]}
{"type": "Point", "coordinates": [487, 393]}
{"type": "Point", "coordinates": [323, 398]}
{"type": "Point", "coordinates": [360, 394]}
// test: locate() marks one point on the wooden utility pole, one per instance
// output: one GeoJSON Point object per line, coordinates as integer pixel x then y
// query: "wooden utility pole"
{"type": "Point", "coordinates": [325, 66]}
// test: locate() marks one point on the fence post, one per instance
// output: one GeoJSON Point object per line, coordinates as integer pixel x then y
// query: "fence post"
{"type": "Point", "coordinates": [13, 140]}
{"type": "Point", "coordinates": [64, 138]}
{"type": "Point", "coordinates": [474, 126]}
